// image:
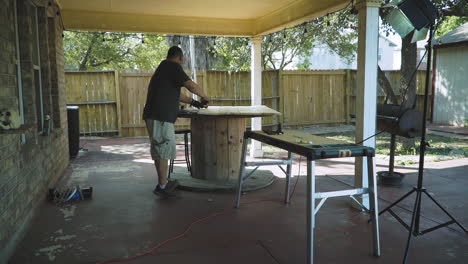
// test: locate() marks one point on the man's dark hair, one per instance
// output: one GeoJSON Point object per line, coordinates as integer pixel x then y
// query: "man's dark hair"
{"type": "Point", "coordinates": [174, 52]}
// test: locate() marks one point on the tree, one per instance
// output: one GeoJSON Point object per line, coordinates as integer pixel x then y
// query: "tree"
{"type": "Point", "coordinates": [337, 30]}
{"type": "Point", "coordinates": [232, 54]}
{"type": "Point", "coordinates": [107, 50]}
{"type": "Point", "coordinates": [112, 51]}
{"type": "Point", "coordinates": [409, 55]}
{"type": "Point", "coordinates": [204, 54]}
{"type": "Point", "coordinates": [449, 24]}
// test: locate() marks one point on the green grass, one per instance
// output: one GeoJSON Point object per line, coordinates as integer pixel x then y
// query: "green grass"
{"type": "Point", "coordinates": [440, 146]}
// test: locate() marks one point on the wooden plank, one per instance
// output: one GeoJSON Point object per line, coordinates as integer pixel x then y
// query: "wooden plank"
{"type": "Point", "coordinates": [133, 125]}
{"type": "Point", "coordinates": [139, 74]}
{"type": "Point", "coordinates": [221, 148]}
{"type": "Point", "coordinates": [86, 72]}
{"type": "Point", "coordinates": [118, 102]}
{"type": "Point", "coordinates": [23, 129]}
{"type": "Point", "coordinates": [198, 153]}
{"type": "Point", "coordinates": [92, 103]}
{"type": "Point", "coordinates": [100, 132]}
{"type": "Point", "coordinates": [313, 72]}
{"type": "Point", "coordinates": [347, 95]}
{"type": "Point", "coordinates": [265, 98]}
{"type": "Point", "coordinates": [236, 128]}
{"type": "Point", "coordinates": [315, 122]}
{"type": "Point", "coordinates": [205, 82]}
{"type": "Point", "coordinates": [201, 148]}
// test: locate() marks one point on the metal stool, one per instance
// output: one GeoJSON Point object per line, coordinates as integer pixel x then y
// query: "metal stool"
{"type": "Point", "coordinates": [186, 150]}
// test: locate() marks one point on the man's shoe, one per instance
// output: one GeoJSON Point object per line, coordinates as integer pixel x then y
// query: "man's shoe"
{"type": "Point", "coordinates": [172, 185]}
{"type": "Point", "coordinates": [165, 193]}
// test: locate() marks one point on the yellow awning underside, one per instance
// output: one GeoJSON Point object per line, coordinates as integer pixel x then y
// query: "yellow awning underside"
{"type": "Point", "coordinates": [193, 17]}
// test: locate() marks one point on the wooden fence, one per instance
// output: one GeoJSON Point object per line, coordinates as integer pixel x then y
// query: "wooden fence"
{"type": "Point", "coordinates": [112, 102]}
{"type": "Point", "coordinates": [97, 95]}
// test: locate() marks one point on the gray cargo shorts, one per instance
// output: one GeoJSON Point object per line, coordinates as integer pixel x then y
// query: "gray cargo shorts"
{"type": "Point", "coordinates": [162, 138]}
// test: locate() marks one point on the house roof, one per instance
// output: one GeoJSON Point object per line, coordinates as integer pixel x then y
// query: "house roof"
{"type": "Point", "coordinates": [201, 17]}
{"type": "Point", "coordinates": [456, 36]}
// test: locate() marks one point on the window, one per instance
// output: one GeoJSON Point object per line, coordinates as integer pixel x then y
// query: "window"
{"type": "Point", "coordinates": [55, 113]}
{"type": "Point", "coordinates": [19, 82]}
{"type": "Point", "coordinates": [37, 70]}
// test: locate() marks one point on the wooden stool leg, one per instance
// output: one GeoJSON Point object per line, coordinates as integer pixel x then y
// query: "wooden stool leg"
{"type": "Point", "coordinates": [169, 170]}
{"type": "Point", "coordinates": [374, 208]}
{"type": "Point", "coordinates": [241, 173]}
{"type": "Point", "coordinates": [187, 159]}
{"type": "Point", "coordinates": [288, 178]}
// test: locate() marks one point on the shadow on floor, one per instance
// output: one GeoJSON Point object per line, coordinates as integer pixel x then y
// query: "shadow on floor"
{"type": "Point", "coordinates": [125, 218]}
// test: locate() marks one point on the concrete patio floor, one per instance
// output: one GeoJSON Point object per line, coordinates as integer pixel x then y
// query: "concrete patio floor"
{"type": "Point", "coordinates": [125, 218]}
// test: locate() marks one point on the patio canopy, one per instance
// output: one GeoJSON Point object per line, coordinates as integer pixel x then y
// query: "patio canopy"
{"type": "Point", "coordinates": [189, 17]}
{"type": "Point", "coordinates": [250, 18]}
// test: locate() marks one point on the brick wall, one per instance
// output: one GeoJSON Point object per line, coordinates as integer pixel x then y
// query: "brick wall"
{"type": "Point", "coordinates": [28, 169]}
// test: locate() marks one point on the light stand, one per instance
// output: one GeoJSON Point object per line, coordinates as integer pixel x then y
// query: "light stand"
{"type": "Point", "coordinates": [414, 228]}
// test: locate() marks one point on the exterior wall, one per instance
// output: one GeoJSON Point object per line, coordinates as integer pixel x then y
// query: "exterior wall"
{"type": "Point", "coordinates": [421, 50]}
{"type": "Point", "coordinates": [323, 58]}
{"type": "Point", "coordinates": [28, 168]}
{"type": "Point", "coordinates": [451, 93]}
{"type": "Point", "coordinates": [385, 53]}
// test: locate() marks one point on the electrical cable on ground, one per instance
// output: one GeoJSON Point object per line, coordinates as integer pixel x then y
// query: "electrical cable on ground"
{"type": "Point", "coordinates": [199, 220]}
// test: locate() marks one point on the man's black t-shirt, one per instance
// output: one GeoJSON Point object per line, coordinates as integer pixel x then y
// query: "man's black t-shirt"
{"type": "Point", "coordinates": [162, 100]}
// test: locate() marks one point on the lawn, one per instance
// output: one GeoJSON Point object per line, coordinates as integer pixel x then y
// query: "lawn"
{"type": "Point", "coordinates": [441, 148]}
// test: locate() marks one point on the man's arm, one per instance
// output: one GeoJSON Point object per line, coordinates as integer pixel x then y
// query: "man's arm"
{"type": "Point", "coordinates": [196, 89]}
{"type": "Point", "coordinates": [188, 100]}
{"type": "Point", "coordinates": [185, 99]}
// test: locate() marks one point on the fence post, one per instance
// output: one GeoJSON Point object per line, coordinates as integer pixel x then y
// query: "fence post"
{"type": "Point", "coordinates": [281, 94]}
{"type": "Point", "coordinates": [205, 82]}
{"type": "Point", "coordinates": [347, 94]}
{"type": "Point", "coordinates": [117, 100]}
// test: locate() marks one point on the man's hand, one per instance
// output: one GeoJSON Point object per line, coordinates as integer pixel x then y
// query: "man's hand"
{"type": "Point", "coordinates": [205, 100]}
{"type": "Point", "coordinates": [196, 104]}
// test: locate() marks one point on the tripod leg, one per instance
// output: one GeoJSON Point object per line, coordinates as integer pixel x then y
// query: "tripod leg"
{"type": "Point", "coordinates": [418, 216]}
{"type": "Point", "coordinates": [446, 212]}
{"type": "Point", "coordinates": [396, 202]}
{"type": "Point", "coordinates": [413, 219]}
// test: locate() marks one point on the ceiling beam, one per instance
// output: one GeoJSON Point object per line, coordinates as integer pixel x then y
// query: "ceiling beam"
{"type": "Point", "coordinates": [119, 22]}
{"type": "Point", "coordinates": [296, 13]}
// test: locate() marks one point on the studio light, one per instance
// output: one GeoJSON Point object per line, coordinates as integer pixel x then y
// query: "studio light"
{"type": "Point", "coordinates": [411, 16]}
{"type": "Point", "coordinates": [417, 17]}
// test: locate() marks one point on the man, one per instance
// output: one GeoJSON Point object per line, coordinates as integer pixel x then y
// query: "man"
{"type": "Point", "coordinates": [160, 113]}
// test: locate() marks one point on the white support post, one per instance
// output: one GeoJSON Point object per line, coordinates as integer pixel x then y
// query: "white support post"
{"type": "Point", "coordinates": [193, 62]}
{"type": "Point", "coordinates": [366, 92]}
{"type": "Point", "coordinates": [256, 91]}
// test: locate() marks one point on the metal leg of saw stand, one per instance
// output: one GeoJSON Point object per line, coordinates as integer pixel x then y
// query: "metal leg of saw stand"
{"type": "Point", "coordinates": [312, 195]}
{"type": "Point", "coordinates": [243, 176]}
{"type": "Point", "coordinates": [312, 209]}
